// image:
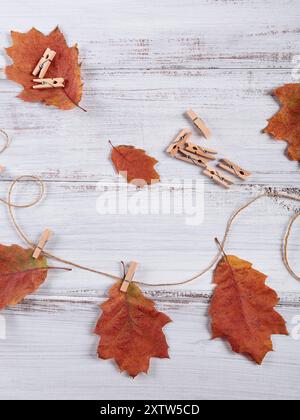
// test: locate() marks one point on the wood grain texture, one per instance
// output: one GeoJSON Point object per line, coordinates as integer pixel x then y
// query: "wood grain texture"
{"type": "Point", "coordinates": [144, 64]}
{"type": "Point", "coordinates": [58, 349]}
{"type": "Point", "coordinates": [189, 34]}
{"type": "Point", "coordinates": [146, 109]}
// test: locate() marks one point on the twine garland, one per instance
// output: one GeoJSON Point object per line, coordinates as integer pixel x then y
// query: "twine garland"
{"type": "Point", "coordinates": [11, 206]}
{"type": "Point", "coordinates": [6, 141]}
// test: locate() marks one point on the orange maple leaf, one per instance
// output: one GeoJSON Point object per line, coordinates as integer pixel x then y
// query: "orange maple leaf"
{"type": "Point", "coordinates": [26, 52]}
{"type": "Point", "coordinates": [135, 165]}
{"type": "Point", "coordinates": [20, 274]}
{"type": "Point", "coordinates": [285, 125]}
{"type": "Point", "coordinates": [242, 309]}
{"type": "Point", "coordinates": [131, 330]}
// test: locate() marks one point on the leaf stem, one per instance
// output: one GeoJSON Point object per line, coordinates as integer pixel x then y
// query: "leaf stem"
{"type": "Point", "coordinates": [58, 268]}
{"type": "Point", "coordinates": [73, 102]}
{"type": "Point", "coordinates": [118, 151]}
{"type": "Point", "coordinates": [220, 246]}
{"type": "Point", "coordinates": [124, 269]}
{"type": "Point", "coordinates": [225, 256]}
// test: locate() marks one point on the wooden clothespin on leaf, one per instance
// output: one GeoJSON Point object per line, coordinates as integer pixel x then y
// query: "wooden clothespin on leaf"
{"type": "Point", "coordinates": [199, 123]}
{"type": "Point", "coordinates": [44, 63]}
{"type": "Point", "coordinates": [41, 70]}
{"type": "Point", "coordinates": [129, 276]}
{"type": "Point", "coordinates": [42, 243]}
{"type": "Point", "coordinates": [234, 169]}
{"type": "Point", "coordinates": [58, 82]}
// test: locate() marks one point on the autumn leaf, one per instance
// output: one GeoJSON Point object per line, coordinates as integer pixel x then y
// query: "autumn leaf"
{"type": "Point", "coordinates": [135, 165]}
{"type": "Point", "coordinates": [242, 309]}
{"type": "Point", "coordinates": [285, 125]}
{"type": "Point", "coordinates": [20, 274]}
{"type": "Point", "coordinates": [131, 330]}
{"type": "Point", "coordinates": [26, 52]}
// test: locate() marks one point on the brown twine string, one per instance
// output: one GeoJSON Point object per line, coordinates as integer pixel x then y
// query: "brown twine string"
{"type": "Point", "coordinates": [11, 206]}
{"type": "Point", "coordinates": [286, 242]}
{"type": "Point", "coordinates": [6, 141]}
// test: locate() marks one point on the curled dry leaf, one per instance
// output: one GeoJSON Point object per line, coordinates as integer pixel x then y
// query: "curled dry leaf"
{"type": "Point", "coordinates": [242, 309]}
{"type": "Point", "coordinates": [135, 165]}
{"type": "Point", "coordinates": [131, 330]}
{"type": "Point", "coordinates": [20, 274]}
{"type": "Point", "coordinates": [26, 52]}
{"type": "Point", "coordinates": [285, 125]}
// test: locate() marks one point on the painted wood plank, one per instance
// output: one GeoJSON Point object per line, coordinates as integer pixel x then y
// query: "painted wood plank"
{"type": "Point", "coordinates": [172, 34]}
{"type": "Point", "coordinates": [146, 109]}
{"type": "Point", "coordinates": [52, 356]}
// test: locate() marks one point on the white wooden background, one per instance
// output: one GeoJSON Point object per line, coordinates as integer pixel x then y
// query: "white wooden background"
{"type": "Point", "coordinates": [144, 63]}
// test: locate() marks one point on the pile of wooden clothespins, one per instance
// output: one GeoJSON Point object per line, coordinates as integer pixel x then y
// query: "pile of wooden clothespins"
{"type": "Point", "coordinates": [41, 70]}
{"type": "Point", "coordinates": [183, 149]}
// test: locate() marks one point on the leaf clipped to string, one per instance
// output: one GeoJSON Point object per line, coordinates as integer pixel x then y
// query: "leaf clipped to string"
{"type": "Point", "coordinates": [27, 50]}
{"type": "Point", "coordinates": [285, 125]}
{"type": "Point", "coordinates": [20, 274]}
{"type": "Point", "coordinates": [242, 309]}
{"type": "Point", "coordinates": [135, 165]}
{"type": "Point", "coordinates": [131, 330]}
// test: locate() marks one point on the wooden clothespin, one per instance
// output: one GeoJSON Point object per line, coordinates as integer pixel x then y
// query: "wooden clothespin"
{"type": "Point", "coordinates": [218, 177]}
{"type": "Point", "coordinates": [234, 169]}
{"type": "Point", "coordinates": [44, 63]}
{"type": "Point", "coordinates": [199, 123]}
{"type": "Point", "coordinates": [41, 245]}
{"type": "Point", "coordinates": [182, 138]}
{"type": "Point", "coordinates": [129, 276]}
{"type": "Point", "coordinates": [58, 82]}
{"type": "Point", "coordinates": [191, 158]}
{"type": "Point", "coordinates": [200, 151]}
